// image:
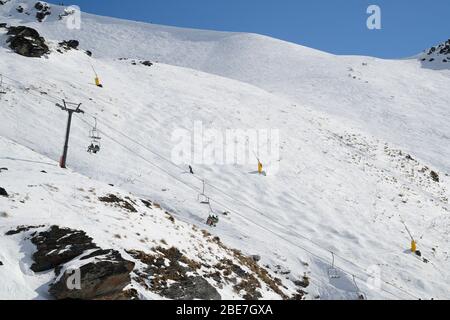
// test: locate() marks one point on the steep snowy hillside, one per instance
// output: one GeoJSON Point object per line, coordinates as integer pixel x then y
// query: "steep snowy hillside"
{"type": "Point", "coordinates": [338, 189]}
{"type": "Point", "coordinates": [404, 102]}
{"type": "Point", "coordinates": [165, 258]}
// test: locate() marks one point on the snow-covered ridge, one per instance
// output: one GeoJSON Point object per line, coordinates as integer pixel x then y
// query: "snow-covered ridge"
{"type": "Point", "coordinates": [383, 97]}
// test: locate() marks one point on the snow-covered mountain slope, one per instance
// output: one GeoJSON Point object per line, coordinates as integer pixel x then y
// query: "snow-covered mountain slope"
{"type": "Point", "coordinates": [403, 102]}
{"type": "Point", "coordinates": [339, 188]}
{"type": "Point", "coordinates": [138, 228]}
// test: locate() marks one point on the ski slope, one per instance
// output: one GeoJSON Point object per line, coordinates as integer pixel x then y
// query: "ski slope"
{"type": "Point", "coordinates": [358, 143]}
{"type": "Point", "coordinates": [402, 101]}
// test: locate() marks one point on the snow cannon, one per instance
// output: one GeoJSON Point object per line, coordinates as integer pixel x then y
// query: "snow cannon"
{"type": "Point", "coordinates": [260, 167]}
{"type": "Point", "coordinates": [97, 82]}
{"type": "Point", "coordinates": [413, 246]}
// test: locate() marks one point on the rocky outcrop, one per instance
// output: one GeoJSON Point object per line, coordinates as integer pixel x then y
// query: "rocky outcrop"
{"type": "Point", "coordinates": [191, 288]}
{"type": "Point", "coordinates": [437, 54]}
{"type": "Point", "coordinates": [3, 192]}
{"type": "Point", "coordinates": [43, 10]}
{"type": "Point", "coordinates": [100, 274]}
{"type": "Point", "coordinates": [69, 44]}
{"type": "Point", "coordinates": [119, 202]}
{"type": "Point", "coordinates": [27, 42]}
{"type": "Point", "coordinates": [104, 274]}
{"type": "Point", "coordinates": [177, 279]}
{"type": "Point", "coordinates": [58, 246]}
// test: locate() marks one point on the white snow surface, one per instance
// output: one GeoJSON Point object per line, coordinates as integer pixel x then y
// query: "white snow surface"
{"type": "Point", "coordinates": [359, 139]}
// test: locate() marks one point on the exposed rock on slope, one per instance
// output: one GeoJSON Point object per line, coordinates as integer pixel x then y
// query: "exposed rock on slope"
{"type": "Point", "coordinates": [58, 246]}
{"type": "Point", "coordinates": [437, 56]}
{"type": "Point", "coordinates": [27, 42]}
{"type": "Point", "coordinates": [123, 247]}
{"type": "Point", "coordinates": [104, 275]}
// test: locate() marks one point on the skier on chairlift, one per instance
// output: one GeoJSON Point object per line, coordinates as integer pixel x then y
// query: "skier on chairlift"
{"type": "Point", "coordinates": [212, 220]}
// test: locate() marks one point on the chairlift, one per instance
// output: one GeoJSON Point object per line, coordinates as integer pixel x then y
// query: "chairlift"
{"type": "Point", "coordinates": [202, 197]}
{"type": "Point", "coordinates": [94, 135]}
{"type": "Point", "coordinates": [332, 271]}
{"type": "Point", "coordinates": [361, 295]}
{"type": "Point", "coordinates": [213, 218]}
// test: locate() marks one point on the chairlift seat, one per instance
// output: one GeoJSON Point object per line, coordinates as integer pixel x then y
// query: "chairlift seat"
{"type": "Point", "coordinates": [333, 273]}
{"type": "Point", "coordinates": [203, 199]}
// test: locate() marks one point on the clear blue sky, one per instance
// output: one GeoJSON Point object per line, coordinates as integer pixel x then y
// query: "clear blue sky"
{"type": "Point", "coordinates": [337, 26]}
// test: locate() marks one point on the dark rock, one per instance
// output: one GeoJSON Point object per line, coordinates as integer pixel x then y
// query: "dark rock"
{"type": "Point", "coordinates": [58, 246]}
{"type": "Point", "coordinates": [434, 176]}
{"type": "Point", "coordinates": [1, 263]}
{"type": "Point", "coordinates": [304, 283]}
{"type": "Point", "coordinates": [4, 25]}
{"type": "Point", "coordinates": [43, 10]}
{"type": "Point", "coordinates": [192, 288]}
{"type": "Point", "coordinates": [113, 199]}
{"type": "Point", "coordinates": [39, 6]}
{"type": "Point", "coordinates": [40, 16]}
{"type": "Point", "coordinates": [105, 278]}
{"type": "Point", "coordinates": [23, 31]}
{"type": "Point", "coordinates": [147, 203]}
{"type": "Point", "coordinates": [418, 253]}
{"type": "Point", "coordinates": [20, 229]}
{"type": "Point", "coordinates": [89, 53]}
{"type": "Point", "coordinates": [70, 44]}
{"type": "Point", "coordinates": [256, 258]}
{"type": "Point", "coordinates": [3, 192]}
{"type": "Point", "coordinates": [20, 9]}
{"type": "Point", "coordinates": [238, 270]}
{"type": "Point", "coordinates": [147, 63]}
{"type": "Point", "coordinates": [27, 42]}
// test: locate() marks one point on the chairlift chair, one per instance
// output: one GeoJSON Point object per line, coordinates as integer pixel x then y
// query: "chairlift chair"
{"type": "Point", "coordinates": [202, 197]}
{"type": "Point", "coordinates": [332, 271]}
{"type": "Point", "coordinates": [213, 218]}
{"type": "Point", "coordinates": [94, 135]}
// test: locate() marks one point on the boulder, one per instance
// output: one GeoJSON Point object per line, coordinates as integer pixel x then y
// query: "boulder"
{"type": "Point", "coordinates": [69, 44]}
{"type": "Point", "coordinates": [191, 288]}
{"type": "Point", "coordinates": [43, 10]}
{"type": "Point", "coordinates": [3, 192]}
{"type": "Point", "coordinates": [58, 246]}
{"type": "Point", "coordinates": [40, 16]}
{"type": "Point", "coordinates": [104, 275]}
{"type": "Point", "coordinates": [147, 63]}
{"type": "Point", "coordinates": [434, 176]}
{"type": "Point", "coordinates": [27, 42]}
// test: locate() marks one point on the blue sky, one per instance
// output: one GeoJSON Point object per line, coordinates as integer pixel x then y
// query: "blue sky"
{"type": "Point", "coordinates": [337, 26]}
